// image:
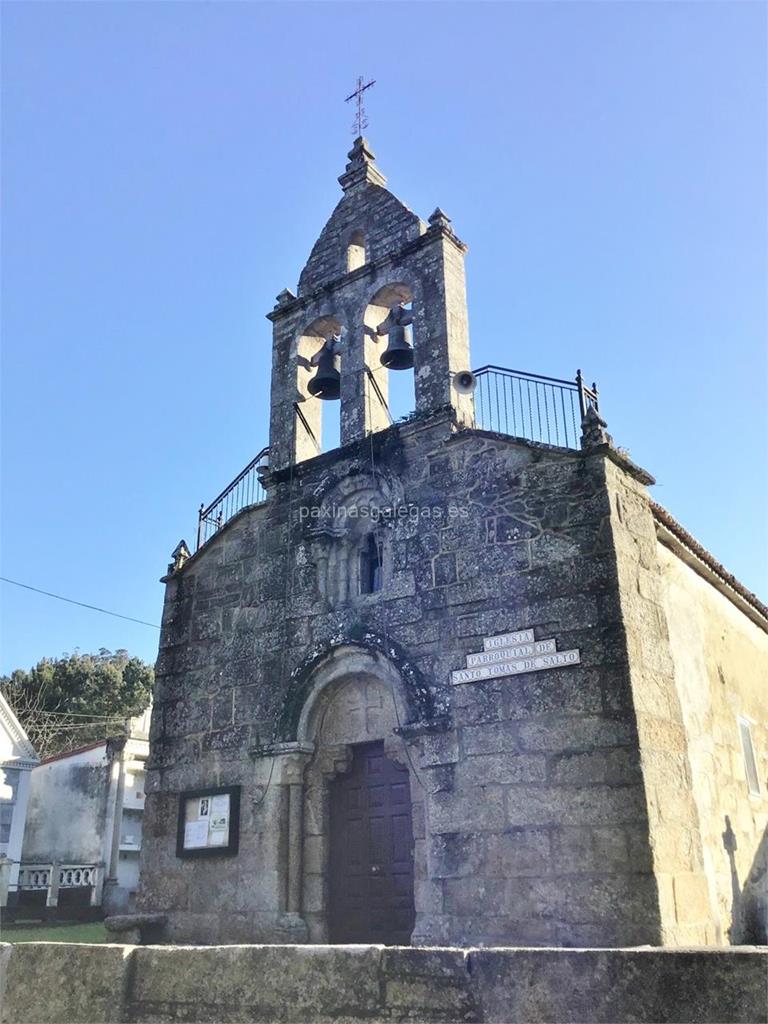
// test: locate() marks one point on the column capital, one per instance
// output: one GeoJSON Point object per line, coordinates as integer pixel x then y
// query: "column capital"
{"type": "Point", "coordinates": [292, 759]}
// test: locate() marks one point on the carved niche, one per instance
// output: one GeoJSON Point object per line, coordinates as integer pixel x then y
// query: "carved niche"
{"type": "Point", "coordinates": [352, 523]}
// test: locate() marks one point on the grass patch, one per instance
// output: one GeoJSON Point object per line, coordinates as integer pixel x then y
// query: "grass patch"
{"type": "Point", "coordinates": [93, 931]}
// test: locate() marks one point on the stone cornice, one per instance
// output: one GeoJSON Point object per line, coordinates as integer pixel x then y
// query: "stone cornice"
{"type": "Point", "coordinates": [359, 447]}
{"type": "Point", "coordinates": [22, 763]}
{"type": "Point", "coordinates": [15, 730]}
{"type": "Point", "coordinates": [369, 269]}
{"type": "Point", "coordinates": [287, 749]}
{"type": "Point", "coordinates": [624, 462]}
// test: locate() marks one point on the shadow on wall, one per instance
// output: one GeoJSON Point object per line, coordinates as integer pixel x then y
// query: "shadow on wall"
{"type": "Point", "coordinates": [749, 905]}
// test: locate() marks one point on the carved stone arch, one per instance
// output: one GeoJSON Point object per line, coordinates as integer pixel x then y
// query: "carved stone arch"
{"type": "Point", "coordinates": [389, 282]}
{"type": "Point", "coordinates": [308, 337]}
{"type": "Point", "coordinates": [342, 668]}
{"type": "Point", "coordinates": [349, 699]}
{"type": "Point", "coordinates": [372, 653]}
{"type": "Point", "coordinates": [385, 295]}
{"type": "Point", "coordinates": [388, 394]}
{"type": "Point", "coordinates": [344, 491]}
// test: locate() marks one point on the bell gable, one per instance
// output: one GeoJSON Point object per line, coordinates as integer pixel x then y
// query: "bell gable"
{"type": "Point", "coordinates": [368, 223]}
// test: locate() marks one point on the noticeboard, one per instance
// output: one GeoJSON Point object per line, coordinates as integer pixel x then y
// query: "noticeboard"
{"type": "Point", "coordinates": [209, 821]}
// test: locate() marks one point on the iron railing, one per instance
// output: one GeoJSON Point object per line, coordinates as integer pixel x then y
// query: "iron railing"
{"type": "Point", "coordinates": [246, 489]}
{"type": "Point", "coordinates": [527, 405]}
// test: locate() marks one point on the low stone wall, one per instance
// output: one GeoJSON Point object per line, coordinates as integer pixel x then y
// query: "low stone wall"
{"type": "Point", "coordinates": [61, 983]}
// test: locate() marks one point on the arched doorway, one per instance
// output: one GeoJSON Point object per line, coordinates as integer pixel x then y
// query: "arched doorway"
{"type": "Point", "coordinates": [370, 892]}
{"type": "Point", "coordinates": [361, 797]}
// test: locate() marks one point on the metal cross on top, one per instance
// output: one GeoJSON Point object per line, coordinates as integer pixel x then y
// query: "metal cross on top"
{"type": "Point", "coordinates": [361, 121]}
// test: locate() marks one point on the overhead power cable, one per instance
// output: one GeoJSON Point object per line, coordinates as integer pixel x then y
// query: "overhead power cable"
{"type": "Point", "coordinates": [68, 727]}
{"type": "Point", "coordinates": [77, 714]}
{"type": "Point", "coordinates": [81, 604]}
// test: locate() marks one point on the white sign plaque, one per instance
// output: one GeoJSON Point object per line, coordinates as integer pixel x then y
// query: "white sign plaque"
{"type": "Point", "coordinates": [512, 654]}
{"type": "Point", "coordinates": [507, 653]}
{"type": "Point", "coordinates": [522, 636]}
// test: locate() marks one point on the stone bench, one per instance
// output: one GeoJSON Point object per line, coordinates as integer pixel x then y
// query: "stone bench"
{"type": "Point", "coordinates": [135, 929]}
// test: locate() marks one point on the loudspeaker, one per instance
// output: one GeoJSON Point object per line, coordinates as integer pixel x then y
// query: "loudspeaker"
{"type": "Point", "coordinates": [464, 382]}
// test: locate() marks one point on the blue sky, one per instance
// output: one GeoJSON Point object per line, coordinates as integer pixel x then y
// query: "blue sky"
{"type": "Point", "coordinates": [168, 166]}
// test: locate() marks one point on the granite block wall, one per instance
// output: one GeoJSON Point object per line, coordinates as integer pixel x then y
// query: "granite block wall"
{"type": "Point", "coordinates": [536, 826]}
{"type": "Point", "coordinates": [53, 982]}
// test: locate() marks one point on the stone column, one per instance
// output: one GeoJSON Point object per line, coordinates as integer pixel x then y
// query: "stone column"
{"type": "Point", "coordinates": [16, 839]}
{"type": "Point", "coordinates": [282, 429]}
{"type": "Point", "coordinates": [441, 347]}
{"type": "Point", "coordinates": [5, 877]}
{"type": "Point", "coordinates": [295, 842]}
{"type": "Point", "coordinates": [117, 824]}
{"type": "Point", "coordinates": [97, 886]}
{"type": "Point", "coordinates": [362, 409]}
{"type": "Point", "coordinates": [52, 898]}
{"type": "Point", "coordinates": [111, 843]}
{"type": "Point", "coordinates": [293, 759]}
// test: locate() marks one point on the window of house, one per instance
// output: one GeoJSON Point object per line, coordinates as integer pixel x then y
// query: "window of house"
{"type": "Point", "coordinates": [7, 806]}
{"type": "Point", "coordinates": [6, 817]}
{"type": "Point", "coordinates": [750, 761]}
{"type": "Point", "coordinates": [371, 566]}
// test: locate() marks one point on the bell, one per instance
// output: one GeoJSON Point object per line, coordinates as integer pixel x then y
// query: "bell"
{"type": "Point", "coordinates": [326, 383]}
{"type": "Point", "coordinates": [398, 354]}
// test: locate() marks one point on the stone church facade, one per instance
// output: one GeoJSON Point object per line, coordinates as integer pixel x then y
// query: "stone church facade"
{"type": "Point", "coordinates": [460, 687]}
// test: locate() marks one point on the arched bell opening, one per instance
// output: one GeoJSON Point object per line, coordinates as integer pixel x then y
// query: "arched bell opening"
{"type": "Point", "coordinates": [356, 251]}
{"type": "Point", "coordinates": [361, 865]}
{"type": "Point", "coordinates": [318, 382]}
{"type": "Point", "coordinates": [388, 320]}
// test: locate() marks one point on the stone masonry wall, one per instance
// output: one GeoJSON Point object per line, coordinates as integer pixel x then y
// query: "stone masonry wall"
{"type": "Point", "coordinates": [53, 982]}
{"type": "Point", "coordinates": [675, 828]}
{"type": "Point", "coordinates": [719, 657]}
{"type": "Point", "coordinates": [536, 812]}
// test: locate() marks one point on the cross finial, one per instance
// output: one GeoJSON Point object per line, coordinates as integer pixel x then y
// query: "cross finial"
{"type": "Point", "coordinates": [361, 121]}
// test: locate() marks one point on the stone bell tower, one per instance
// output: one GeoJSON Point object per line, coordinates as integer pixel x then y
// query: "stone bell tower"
{"type": "Point", "coordinates": [375, 260]}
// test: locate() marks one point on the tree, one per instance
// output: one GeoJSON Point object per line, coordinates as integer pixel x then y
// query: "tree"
{"type": "Point", "coordinates": [67, 702]}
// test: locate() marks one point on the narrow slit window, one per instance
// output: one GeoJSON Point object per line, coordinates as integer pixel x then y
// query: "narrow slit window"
{"type": "Point", "coordinates": [371, 566]}
{"type": "Point", "coordinates": [750, 761]}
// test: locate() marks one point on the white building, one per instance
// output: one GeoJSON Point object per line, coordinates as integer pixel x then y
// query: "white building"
{"type": "Point", "coordinates": [17, 759]}
{"type": "Point", "coordinates": [83, 834]}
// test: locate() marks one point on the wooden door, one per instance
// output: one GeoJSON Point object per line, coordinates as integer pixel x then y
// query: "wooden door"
{"type": "Point", "coordinates": [371, 853]}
